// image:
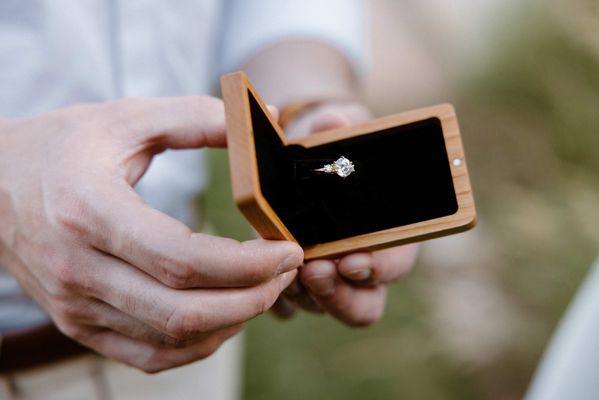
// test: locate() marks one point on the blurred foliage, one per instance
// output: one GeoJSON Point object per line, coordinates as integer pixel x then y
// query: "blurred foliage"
{"type": "Point", "coordinates": [530, 122]}
{"type": "Point", "coordinates": [531, 125]}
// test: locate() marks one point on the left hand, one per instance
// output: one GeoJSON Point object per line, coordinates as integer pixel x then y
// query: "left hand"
{"type": "Point", "coordinates": [352, 289]}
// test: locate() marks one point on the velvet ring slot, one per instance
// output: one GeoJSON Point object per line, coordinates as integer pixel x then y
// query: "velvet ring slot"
{"type": "Point", "coordinates": [404, 186]}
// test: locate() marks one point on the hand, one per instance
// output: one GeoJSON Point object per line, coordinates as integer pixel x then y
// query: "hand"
{"type": "Point", "coordinates": [353, 288]}
{"type": "Point", "coordinates": [113, 273]}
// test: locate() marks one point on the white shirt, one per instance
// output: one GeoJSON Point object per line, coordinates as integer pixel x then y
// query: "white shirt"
{"type": "Point", "coordinates": [54, 53]}
{"type": "Point", "coordinates": [569, 368]}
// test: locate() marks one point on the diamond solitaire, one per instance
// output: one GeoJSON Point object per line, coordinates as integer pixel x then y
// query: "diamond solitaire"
{"type": "Point", "coordinates": [342, 167]}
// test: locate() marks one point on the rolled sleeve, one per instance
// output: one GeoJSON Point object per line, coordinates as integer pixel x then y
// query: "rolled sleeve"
{"type": "Point", "coordinates": [252, 25]}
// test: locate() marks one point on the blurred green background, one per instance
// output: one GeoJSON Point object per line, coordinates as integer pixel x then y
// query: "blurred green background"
{"type": "Point", "coordinates": [473, 318]}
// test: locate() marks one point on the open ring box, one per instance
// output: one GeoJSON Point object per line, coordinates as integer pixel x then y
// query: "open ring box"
{"type": "Point", "coordinates": [410, 181]}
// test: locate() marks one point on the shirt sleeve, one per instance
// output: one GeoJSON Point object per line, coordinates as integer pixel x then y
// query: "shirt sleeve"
{"type": "Point", "coordinates": [252, 25]}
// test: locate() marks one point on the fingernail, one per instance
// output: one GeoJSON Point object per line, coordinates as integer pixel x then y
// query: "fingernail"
{"type": "Point", "coordinates": [291, 262]}
{"type": "Point", "coordinates": [324, 286]}
{"type": "Point", "coordinates": [359, 274]}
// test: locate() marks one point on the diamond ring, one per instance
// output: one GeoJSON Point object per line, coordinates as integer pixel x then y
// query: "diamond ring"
{"type": "Point", "coordinates": [342, 167]}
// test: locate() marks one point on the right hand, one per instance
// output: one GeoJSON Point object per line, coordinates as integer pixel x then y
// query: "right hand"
{"type": "Point", "coordinates": [113, 273]}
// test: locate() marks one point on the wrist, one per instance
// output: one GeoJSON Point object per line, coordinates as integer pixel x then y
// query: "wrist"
{"type": "Point", "coordinates": [295, 110]}
{"type": "Point", "coordinates": [306, 118]}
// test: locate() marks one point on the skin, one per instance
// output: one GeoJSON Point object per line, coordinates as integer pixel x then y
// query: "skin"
{"type": "Point", "coordinates": [113, 273]}
{"type": "Point", "coordinates": [136, 285]}
{"type": "Point", "coordinates": [352, 289]}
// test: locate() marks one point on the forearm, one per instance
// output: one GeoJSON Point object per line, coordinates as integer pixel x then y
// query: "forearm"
{"type": "Point", "coordinates": [301, 70]}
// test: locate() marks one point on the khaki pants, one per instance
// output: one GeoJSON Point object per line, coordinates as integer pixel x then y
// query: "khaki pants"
{"type": "Point", "coordinates": [92, 377]}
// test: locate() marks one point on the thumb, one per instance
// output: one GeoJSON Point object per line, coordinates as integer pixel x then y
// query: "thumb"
{"type": "Point", "coordinates": [144, 127]}
{"type": "Point", "coordinates": [172, 122]}
{"type": "Point", "coordinates": [329, 120]}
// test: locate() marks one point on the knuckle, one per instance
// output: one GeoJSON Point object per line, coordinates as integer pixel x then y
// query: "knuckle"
{"type": "Point", "coordinates": [66, 275]}
{"type": "Point", "coordinates": [150, 360]}
{"type": "Point", "coordinates": [158, 360]}
{"type": "Point", "coordinates": [70, 308]}
{"type": "Point", "coordinates": [71, 330]}
{"type": "Point", "coordinates": [267, 295]}
{"type": "Point", "coordinates": [210, 348]}
{"type": "Point", "coordinates": [177, 273]}
{"type": "Point", "coordinates": [185, 324]}
{"type": "Point", "coordinates": [256, 268]}
{"type": "Point", "coordinates": [65, 307]}
{"type": "Point", "coordinates": [246, 261]}
{"type": "Point", "coordinates": [258, 271]}
{"type": "Point", "coordinates": [69, 214]}
{"type": "Point", "coordinates": [154, 365]}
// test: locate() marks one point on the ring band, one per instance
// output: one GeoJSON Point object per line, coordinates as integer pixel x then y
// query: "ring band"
{"type": "Point", "coordinates": [342, 167]}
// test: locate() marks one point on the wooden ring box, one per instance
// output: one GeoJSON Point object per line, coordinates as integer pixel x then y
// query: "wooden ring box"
{"type": "Point", "coordinates": [410, 181]}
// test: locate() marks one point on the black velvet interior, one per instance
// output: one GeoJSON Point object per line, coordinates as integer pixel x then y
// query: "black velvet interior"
{"type": "Point", "coordinates": [402, 176]}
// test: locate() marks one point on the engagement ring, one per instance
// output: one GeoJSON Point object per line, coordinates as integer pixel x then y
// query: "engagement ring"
{"type": "Point", "coordinates": [342, 167]}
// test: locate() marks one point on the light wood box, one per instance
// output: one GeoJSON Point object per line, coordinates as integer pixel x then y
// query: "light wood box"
{"type": "Point", "coordinates": [248, 193]}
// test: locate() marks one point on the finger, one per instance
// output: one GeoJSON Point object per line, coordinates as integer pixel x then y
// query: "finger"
{"type": "Point", "coordinates": [357, 267]}
{"type": "Point", "coordinates": [169, 122]}
{"type": "Point", "coordinates": [319, 277]}
{"type": "Point", "coordinates": [330, 120]}
{"type": "Point", "coordinates": [394, 263]}
{"type": "Point", "coordinates": [181, 314]}
{"type": "Point", "coordinates": [297, 294]}
{"type": "Point", "coordinates": [274, 112]}
{"type": "Point", "coordinates": [382, 266]}
{"type": "Point", "coordinates": [355, 306]}
{"type": "Point", "coordinates": [150, 358]}
{"type": "Point", "coordinates": [167, 249]}
{"type": "Point", "coordinates": [283, 308]}
{"type": "Point", "coordinates": [102, 315]}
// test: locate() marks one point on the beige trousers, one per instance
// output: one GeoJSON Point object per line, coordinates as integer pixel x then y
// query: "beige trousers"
{"type": "Point", "coordinates": [94, 378]}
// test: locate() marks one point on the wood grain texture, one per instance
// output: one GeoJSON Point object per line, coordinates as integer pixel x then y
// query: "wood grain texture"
{"type": "Point", "coordinates": [242, 157]}
{"type": "Point", "coordinates": [251, 202]}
